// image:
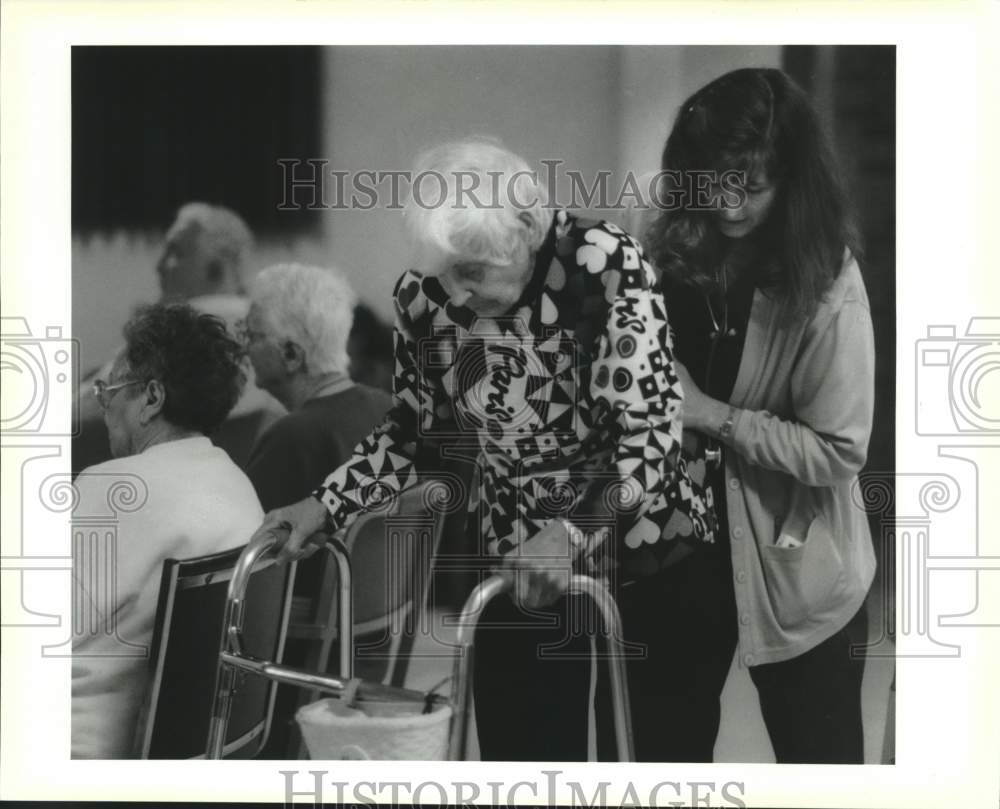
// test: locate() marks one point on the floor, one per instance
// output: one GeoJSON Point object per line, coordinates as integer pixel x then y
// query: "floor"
{"type": "Point", "coordinates": [742, 736]}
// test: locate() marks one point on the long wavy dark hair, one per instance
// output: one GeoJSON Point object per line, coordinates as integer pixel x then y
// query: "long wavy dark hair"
{"type": "Point", "coordinates": [758, 120]}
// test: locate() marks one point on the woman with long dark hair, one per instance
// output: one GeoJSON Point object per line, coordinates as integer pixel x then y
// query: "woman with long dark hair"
{"type": "Point", "coordinates": [772, 327]}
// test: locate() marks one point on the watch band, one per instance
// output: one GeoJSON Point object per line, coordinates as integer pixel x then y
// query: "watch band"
{"type": "Point", "coordinates": [726, 428]}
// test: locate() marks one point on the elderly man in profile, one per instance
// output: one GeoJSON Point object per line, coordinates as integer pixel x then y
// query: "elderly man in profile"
{"type": "Point", "coordinates": [204, 261]}
{"type": "Point", "coordinates": [204, 255]}
{"type": "Point", "coordinates": [296, 336]}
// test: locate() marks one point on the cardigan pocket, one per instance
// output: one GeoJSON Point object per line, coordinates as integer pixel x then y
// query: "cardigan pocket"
{"type": "Point", "coordinates": [802, 580]}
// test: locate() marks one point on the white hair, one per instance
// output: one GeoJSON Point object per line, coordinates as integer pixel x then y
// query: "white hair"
{"type": "Point", "coordinates": [311, 306]}
{"type": "Point", "coordinates": [476, 200]}
{"type": "Point", "coordinates": [223, 230]}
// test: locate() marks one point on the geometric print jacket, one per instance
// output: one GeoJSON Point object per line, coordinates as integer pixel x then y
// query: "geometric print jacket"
{"type": "Point", "coordinates": [571, 400]}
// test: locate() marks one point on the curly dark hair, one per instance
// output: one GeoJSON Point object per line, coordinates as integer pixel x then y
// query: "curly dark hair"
{"type": "Point", "coordinates": [195, 359]}
{"type": "Point", "coordinates": [750, 120]}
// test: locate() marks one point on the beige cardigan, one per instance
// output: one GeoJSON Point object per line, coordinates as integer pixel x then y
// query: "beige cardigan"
{"type": "Point", "coordinates": [804, 396]}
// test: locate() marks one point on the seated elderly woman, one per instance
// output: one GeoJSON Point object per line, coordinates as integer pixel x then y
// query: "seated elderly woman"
{"type": "Point", "coordinates": [173, 384]}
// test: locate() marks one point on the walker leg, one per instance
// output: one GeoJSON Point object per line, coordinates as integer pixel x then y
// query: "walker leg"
{"type": "Point", "coordinates": [463, 663]}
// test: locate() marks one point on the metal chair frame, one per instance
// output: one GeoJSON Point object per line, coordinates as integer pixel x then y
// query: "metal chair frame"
{"type": "Point", "coordinates": [180, 575]}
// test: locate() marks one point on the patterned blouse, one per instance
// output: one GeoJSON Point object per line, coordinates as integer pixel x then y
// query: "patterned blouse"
{"type": "Point", "coordinates": [570, 399]}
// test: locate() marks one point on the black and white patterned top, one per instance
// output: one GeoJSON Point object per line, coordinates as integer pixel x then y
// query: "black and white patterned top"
{"type": "Point", "coordinates": [571, 399]}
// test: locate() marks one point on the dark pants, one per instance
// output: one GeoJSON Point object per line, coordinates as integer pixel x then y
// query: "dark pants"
{"type": "Point", "coordinates": [531, 678]}
{"type": "Point", "coordinates": [532, 704]}
{"type": "Point", "coordinates": [812, 703]}
{"type": "Point", "coordinates": [685, 619]}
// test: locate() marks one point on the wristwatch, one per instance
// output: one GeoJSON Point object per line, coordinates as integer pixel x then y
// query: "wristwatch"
{"type": "Point", "coordinates": [726, 428]}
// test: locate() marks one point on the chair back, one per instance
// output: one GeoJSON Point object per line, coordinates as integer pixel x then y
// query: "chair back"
{"type": "Point", "coordinates": [391, 550]}
{"type": "Point", "coordinates": [187, 639]}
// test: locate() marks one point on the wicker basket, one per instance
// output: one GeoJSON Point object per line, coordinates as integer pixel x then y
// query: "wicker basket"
{"type": "Point", "coordinates": [384, 731]}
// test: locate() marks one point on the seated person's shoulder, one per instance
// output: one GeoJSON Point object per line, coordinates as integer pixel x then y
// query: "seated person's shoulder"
{"type": "Point", "coordinates": [357, 410]}
{"type": "Point", "coordinates": [302, 428]}
{"type": "Point", "coordinates": [103, 476]}
{"type": "Point", "coordinates": [294, 426]}
{"type": "Point", "coordinates": [110, 466]}
{"type": "Point", "coordinates": [375, 398]}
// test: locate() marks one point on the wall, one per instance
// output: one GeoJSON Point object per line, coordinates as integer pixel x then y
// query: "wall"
{"type": "Point", "coordinates": [594, 107]}
{"type": "Point", "coordinates": [385, 105]}
{"type": "Point", "coordinates": [113, 274]}
{"type": "Point", "coordinates": [655, 81]}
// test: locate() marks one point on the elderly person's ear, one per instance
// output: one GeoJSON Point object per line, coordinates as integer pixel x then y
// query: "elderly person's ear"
{"type": "Point", "coordinates": [154, 399]}
{"type": "Point", "coordinates": [530, 223]}
{"type": "Point", "coordinates": [534, 230]}
{"type": "Point", "coordinates": [293, 356]}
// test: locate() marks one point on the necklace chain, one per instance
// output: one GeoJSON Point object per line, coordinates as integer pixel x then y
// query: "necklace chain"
{"type": "Point", "coordinates": [724, 283]}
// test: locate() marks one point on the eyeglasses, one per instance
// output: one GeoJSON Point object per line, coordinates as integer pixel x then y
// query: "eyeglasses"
{"type": "Point", "coordinates": [102, 390]}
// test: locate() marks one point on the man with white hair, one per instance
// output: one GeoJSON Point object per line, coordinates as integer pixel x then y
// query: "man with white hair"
{"type": "Point", "coordinates": [205, 254]}
{"type": "Point", "coordinates": [542, 338]}
{"type": "Point", "coordinates": [296, 337]}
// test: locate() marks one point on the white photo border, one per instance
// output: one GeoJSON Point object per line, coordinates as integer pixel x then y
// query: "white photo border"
{"type": "Point", "coordinates": [948, 72]}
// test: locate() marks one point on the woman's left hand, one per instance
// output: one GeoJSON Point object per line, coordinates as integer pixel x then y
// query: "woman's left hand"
{"type": "Point", "coordinates": [541, 566]}
{"type": "Point", "coordinates": [694, 400]}
{"type": "Point", "coordinates": [698, 412]}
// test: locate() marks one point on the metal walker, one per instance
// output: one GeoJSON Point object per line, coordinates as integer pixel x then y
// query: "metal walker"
{"type": "Point", "coordinates": [235, 662]}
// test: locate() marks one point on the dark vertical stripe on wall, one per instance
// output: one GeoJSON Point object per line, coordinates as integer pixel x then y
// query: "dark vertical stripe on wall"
{"type": "Point", "coordinates": [861, 91]}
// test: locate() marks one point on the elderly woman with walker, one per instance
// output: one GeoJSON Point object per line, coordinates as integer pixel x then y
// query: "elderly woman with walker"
{"type": "Point", "coordinates": [542, 337]}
